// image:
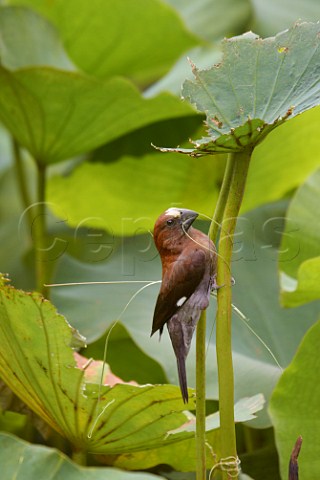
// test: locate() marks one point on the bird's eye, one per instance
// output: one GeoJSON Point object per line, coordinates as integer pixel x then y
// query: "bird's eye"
{"type": "Point", "coordinates": [170, 222]}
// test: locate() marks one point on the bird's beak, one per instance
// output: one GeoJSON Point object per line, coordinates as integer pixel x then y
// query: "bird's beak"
{"type": "Point", "coordinates": [187, 218]}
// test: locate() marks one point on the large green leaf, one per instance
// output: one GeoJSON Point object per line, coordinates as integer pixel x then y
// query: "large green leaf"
{"type": "Point", "coordinates": [37, 363]}
{"type": "Point", "coordinates": [118, 37]}
{"type": "Point", "coordinates": [276, 167]}
{"type": "Point", "coordinates": [256, 294]}
{"type": "Point", "coordinates": [300, 278]}
{"type": "Point", "coordinates": [126, 196]}
{"type": "Point", "coordinates": [256, 87]}
{"type": "Point", "coordinates": [182, 456]}
{"type": "Point", "coordinates": [57, 114]}
{"type": "Point", "coordinates": [28, 39]}
{"type": "Point", "coordinates": [305, 288]}
{"type": "Point", "coordinates": [21, 460]}
{"type": "Point", "coordinates": [170, 179]}
{"type": "Point", "coordinates": [295, 407]}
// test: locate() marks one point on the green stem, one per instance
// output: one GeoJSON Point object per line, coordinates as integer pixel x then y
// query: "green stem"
{"type": "Point", "coordinates": [201, 397]}
{"type": "Point", "coordinates": [21, 177]}
{"type": "Point", "coordinates": [39, 228]}
{"type": "Point", "coordinates": [79, 457]}
{"type": "Point", "coordinates": [201, 335]}
{"type": "Point", "coordinates": [240, 164]}
{"type": "Point", "coordinates": [222, 200]}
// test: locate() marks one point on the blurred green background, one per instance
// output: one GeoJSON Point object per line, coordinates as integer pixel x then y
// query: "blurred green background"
{"type": "Point", "coordinates": [86, 88]}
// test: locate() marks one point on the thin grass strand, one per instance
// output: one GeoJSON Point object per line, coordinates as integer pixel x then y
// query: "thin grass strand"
{"type": "Point", "coordinates": [246, 320]}
{"type": "Point", "coordinates": [114, 282]}
{"type": "Point", "coordinates": [95, 421]}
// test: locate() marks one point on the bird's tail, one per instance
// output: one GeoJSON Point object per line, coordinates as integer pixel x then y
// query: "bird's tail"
{"type": "Point", "coordinates": [181, 335]}
{"type": "Point", "coordinates": [181, 362]}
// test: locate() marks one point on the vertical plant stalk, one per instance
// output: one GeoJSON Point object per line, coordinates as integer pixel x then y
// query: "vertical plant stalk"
{"type": "Point", "coordinates": [222, 199]}
{"type": "Point", "coordinates": [239, 163]}
{"type": "Point", "coordinates": [201, 334]}
{"type": "Point", "coordinates": [39, 234]}
{"type": "Point", "coordinates": [36, 217]}
{"type": "Point", "coordinates": [21, 178]}
{"type": "Point", "coordinates": [201, 397]}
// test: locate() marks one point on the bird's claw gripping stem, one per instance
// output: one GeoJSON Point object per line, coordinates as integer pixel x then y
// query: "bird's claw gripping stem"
{"type": "Point", "coordinates": [215, 286]}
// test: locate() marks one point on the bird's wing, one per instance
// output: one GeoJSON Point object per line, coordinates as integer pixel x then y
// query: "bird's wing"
{"type": "Point", "coordinates": [178, 284]}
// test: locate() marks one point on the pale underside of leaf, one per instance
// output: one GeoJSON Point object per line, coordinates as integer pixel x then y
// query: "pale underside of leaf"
{"type": "Point", "coordinates": [244, 410]}
{"type": "Point", "coordinates": [256, 87]}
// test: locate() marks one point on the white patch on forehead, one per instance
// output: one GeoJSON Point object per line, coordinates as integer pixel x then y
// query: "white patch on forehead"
{"type": "Point", "coordinates": [181, 301]}
{"type": "Point", "coordinates": [173, 212]}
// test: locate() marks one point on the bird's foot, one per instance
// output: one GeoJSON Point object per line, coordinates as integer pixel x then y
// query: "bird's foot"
{"type": "Point", "coordinates": [215, 286]}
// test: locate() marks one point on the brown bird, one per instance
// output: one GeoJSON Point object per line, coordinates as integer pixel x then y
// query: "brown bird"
{"type": "Point", "coordinates": [188, 259]}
